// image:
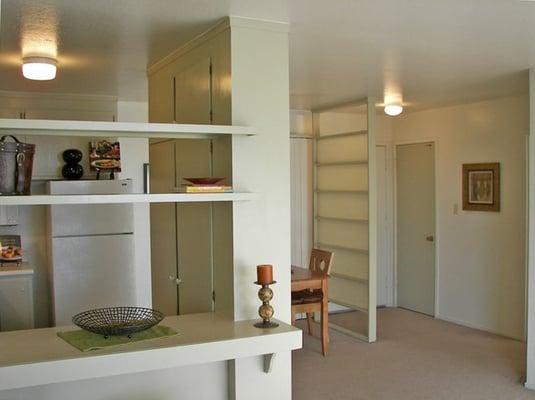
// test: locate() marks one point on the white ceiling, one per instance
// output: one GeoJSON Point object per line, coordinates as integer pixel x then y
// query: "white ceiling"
{"type": "Point", "coordinates": [431, 52]}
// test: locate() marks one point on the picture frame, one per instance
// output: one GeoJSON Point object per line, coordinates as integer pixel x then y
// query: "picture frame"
{"type": "Point", "coordinates": [481, 187]}
{"type": "Point", "coordinates": [105, 155]}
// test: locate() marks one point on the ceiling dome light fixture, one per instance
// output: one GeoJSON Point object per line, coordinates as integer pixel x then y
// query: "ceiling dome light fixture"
{"type": "Point", "coordinates": [39, 68]}
{"type": "Point", "coordinates": [393, 109]}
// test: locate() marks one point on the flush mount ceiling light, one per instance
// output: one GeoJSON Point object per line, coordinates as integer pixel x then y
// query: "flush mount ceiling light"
{"type": "Point", "coordinates": [393, 109]}
{"type": "Point", "coordinates": [39, 68]}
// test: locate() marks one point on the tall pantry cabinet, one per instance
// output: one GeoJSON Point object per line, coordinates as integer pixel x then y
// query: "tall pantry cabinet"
{"type": "Point", "coordinates": [191, 242]}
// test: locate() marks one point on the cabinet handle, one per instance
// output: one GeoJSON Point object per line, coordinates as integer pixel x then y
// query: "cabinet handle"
{"type": "Point", "coordinates": [175, 279]}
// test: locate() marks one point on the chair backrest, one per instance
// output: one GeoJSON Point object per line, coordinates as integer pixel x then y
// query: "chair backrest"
{"type": "Point", "coordinates": [321, 261]}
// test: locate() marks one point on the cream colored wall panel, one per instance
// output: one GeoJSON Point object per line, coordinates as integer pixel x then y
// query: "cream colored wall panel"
{"type": "Point", "coordinates": [58, 106]}
{"type": "Point", "coordinates": [342, 205]}
{"type": "Point", "coordinates": [331, 123]}
{"type": "Point", "coordinates": [342, 177]}
{"type": "Point", "coordinates": [347, 292]}
{"type": "Point", "coordinates": [351, 264]}
{"type": "Point", "coordinates": [343, 234]}
{"type": "Point", "coordinates": [345, 148]}
{"type": "Point", "coordinates": [260, 98]}
{"type": "Point", "coordinates": [481, 255]}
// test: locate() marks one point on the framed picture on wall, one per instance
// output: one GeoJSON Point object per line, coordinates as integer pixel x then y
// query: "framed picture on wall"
{"type": "Point", "coordinates": [481, 187]}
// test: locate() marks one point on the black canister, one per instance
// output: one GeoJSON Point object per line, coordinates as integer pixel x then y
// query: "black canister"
{"type": "Point", "coordinates": [72, 170]}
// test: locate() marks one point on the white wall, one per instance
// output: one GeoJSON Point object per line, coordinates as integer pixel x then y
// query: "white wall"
{"type": "Point", "coordinates": [260, 98]}
{"type": "Point", "coordinates": [480, 255]}
{"type": "Point", "coordinates": [301, 123]}
{"type": "Point", "coordinates": [132, 111]}
{"type": "Point", "coordinates": [301, 191]}
{"type": "Point", "coordinates": [134, 153]}
{"type": "Point", "coordinates": [194, 382]}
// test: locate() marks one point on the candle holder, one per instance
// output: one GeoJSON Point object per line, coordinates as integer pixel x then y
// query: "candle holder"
{"type": "Point", "coordinates": [265, 294]}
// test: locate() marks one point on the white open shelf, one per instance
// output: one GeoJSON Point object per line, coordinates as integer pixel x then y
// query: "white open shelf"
{"type": "Point", "coordinates": [123, 198]}
{"type": "Point", "coordinates": [117, 129]}
{"type": "Point", "coordinates": [39, 357]}
{"type": "Point", "coordinates": [324, 246]}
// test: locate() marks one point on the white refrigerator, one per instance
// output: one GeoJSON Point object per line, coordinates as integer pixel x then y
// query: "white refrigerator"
{"type": "Point", "coordinates": [91, 250]}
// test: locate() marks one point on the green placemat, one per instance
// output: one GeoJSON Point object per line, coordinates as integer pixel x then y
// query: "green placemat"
{"type": "Point", "coordinates": [86, 341]}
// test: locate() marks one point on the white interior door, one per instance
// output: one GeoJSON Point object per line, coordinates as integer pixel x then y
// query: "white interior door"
{"type": "Point", "coordinates": [382, 228]}
{"type": "Point", "coordinates": [415, 185]}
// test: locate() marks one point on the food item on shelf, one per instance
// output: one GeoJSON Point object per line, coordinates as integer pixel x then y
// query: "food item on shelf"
{"type": "Point", "coordinates": [10, 252]}
{"type": "Point", "coordinates": [106, 164]}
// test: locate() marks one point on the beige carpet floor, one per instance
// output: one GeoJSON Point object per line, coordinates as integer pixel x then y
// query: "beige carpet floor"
{"type": "Point", "coordinates": [416, 357]}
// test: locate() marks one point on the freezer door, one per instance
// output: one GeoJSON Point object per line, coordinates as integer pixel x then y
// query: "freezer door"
{"type": "Point", "coordinates": [92, 219]}
{"type": "Point", "coordinates": [91, 272]}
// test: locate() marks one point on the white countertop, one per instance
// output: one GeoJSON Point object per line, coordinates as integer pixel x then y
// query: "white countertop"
{"type": "Point", "coordinates": [39, 356]}
{"type": "Point", "coordinates": [12, 269]}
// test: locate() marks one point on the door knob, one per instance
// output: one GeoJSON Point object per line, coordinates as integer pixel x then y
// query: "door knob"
{"type": "Point", "coordinates": [430, 238]}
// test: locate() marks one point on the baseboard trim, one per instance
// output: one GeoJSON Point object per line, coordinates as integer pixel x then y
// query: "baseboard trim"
{"type": "Point", "coordinates": [480, 328]}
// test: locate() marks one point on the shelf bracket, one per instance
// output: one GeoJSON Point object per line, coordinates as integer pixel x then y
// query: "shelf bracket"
{"type": "Point", "coordinates": [268, 362]}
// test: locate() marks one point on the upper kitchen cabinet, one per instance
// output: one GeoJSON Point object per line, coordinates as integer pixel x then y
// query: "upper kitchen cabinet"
{"type": "Point", "coordinates": [192, 84]}
{"type": "Point", "coordinates": [193, 94]}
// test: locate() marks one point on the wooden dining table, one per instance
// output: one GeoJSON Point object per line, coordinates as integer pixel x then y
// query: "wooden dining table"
{"type": "Point", "coordinates": [304, 278]}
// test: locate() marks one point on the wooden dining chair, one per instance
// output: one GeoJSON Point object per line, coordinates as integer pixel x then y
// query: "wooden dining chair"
{"type": "Point", "coordinates": [310, 301]}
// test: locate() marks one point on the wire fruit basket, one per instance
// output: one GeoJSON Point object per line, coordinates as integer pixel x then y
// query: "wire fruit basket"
{"type": "Point", "coordinates": [117, 321]}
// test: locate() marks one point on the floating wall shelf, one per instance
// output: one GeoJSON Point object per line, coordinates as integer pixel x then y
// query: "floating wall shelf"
{"type": "Point", "coordinates": [324, 246]}
{"type": "Point", "coordinates": [118, 129]}
{"type": "Point", "coordinates": [124, 198]}
{"type": "Point", "coordinates": [39, 357]}
{"type": "Point", "coordinates": [343, 134]}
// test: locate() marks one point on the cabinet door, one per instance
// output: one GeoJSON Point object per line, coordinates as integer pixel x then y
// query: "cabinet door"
{"type": "Point", "coordinates": [16, 303]}
{"type": "Point", "coordinates": [8, 112]}
{"type": "Point", "coordinates": [163, 229]}
{"type": "Point", "coordinates": [193, 93]}
{"type": "Point", "coordinates": [161, 98]}
{"type": "Point", "coordinates": [194, 231]}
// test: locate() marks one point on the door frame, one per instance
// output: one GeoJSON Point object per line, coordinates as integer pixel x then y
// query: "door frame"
{"type": "Point", "coordinates": [435, 141]}
{"type": "Point", "coordinates": [391, 300]}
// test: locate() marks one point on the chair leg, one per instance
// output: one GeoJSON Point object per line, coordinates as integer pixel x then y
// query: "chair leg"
{"type": "Point", "coordinates": [309, 323]}
{"type": "Point", "coordinates": [324, 327]}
